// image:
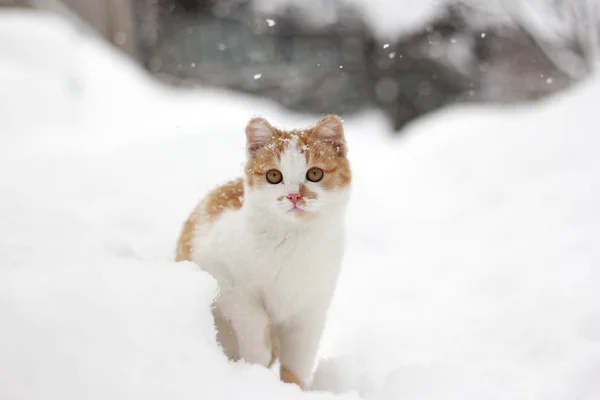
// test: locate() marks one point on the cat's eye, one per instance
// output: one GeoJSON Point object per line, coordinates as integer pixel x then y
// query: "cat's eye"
{"type": "Point", "coordinates": [274, 176]}
{"type": "Point", "coordinates": [314, 174]}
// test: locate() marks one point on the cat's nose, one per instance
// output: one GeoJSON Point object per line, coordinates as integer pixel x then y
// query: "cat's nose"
{"type": "Point", "coordinates": [294, 197]}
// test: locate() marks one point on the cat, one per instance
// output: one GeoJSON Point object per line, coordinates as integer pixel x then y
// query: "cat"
{"type": "Point", "coordinates": [274, 242]}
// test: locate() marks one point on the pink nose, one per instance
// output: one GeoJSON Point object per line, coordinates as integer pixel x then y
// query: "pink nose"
{"type": "Point", "coordinates": [294, 197]}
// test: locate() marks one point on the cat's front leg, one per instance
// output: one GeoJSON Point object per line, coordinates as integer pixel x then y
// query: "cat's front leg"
{"type": "Point", "coordinates": [299, 341]}
{"type": "Point", "coordinates": [251, 326]}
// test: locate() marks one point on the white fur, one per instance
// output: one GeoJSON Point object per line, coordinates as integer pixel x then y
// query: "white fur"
{"type": "Point", "coordinates": [276, 268]}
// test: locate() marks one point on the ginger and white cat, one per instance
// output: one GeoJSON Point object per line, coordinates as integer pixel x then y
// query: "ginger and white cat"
{"type": "Point", "coordinates": [274, 242]}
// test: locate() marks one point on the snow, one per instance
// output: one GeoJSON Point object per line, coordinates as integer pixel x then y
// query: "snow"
{"type": "Point", "coordinates": [472, 262]}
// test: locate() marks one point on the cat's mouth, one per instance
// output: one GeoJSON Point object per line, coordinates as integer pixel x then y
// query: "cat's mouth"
{"type": "Point", "coordinates": [295, 209]}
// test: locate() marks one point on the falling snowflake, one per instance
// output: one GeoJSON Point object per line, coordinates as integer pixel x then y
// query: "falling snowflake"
{"type": "Point", "coordinates": [257, 76]}
{"type": "Point", "coordinates": [483, 35]}
{"type": "Point", "coordinates": [549, 81]}
{"type": "Point", "coordinates": [385, 46]}
{"type": "Point", "coordinates": [392, 54]}
{"type": "Point", "coordinates": [270, 22]}
{"type": "Point", "coordinates": [221, 47]}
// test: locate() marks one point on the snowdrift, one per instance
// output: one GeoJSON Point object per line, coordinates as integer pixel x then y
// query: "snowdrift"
{"type": "Point", "coordinates": [472, 263]}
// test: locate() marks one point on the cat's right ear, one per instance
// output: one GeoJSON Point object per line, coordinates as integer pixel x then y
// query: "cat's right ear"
{"type": "Point", "coordinates": [258, 134]}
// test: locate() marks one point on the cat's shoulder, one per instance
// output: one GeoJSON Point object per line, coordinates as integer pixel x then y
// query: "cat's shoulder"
{"type": "Point", "coordinates": [228, 196]}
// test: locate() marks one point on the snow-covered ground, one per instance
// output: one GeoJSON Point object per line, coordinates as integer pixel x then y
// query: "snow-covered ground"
{"type": "Point", "coordinates": [472, 268]}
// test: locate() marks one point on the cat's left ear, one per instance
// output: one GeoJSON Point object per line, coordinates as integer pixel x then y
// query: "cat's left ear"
{"type": "Point", "coordinates": [330, 130]}
{"type": "Point", "coordinates": [258, 134]}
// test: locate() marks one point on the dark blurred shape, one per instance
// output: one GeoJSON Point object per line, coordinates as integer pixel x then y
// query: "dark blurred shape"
{"type": "Point", "coordinates": [421, 72]}
{"type": "Point", "coordinates": [303, 68]}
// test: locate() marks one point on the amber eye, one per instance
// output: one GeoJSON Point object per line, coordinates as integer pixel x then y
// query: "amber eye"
{"type": "Point", "coordinates": [315, 174]}
{"type": "Point", "coordinates": [274, 176]}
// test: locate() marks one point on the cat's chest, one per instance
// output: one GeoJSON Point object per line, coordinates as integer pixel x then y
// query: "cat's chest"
{"type": "Point", "coordinates": [265, 260]}
{"type": "Point", "coordinates": [295, 272]}
{"type": "Point", "coordinates": [302, 254]}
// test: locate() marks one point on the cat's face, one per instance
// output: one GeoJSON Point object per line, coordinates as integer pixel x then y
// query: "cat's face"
{"type": "Point", "coordinates": [297, 175]}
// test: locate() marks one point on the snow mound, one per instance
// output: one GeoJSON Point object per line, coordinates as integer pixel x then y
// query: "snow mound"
{"type": "Point", "coordinates": [472, 262]}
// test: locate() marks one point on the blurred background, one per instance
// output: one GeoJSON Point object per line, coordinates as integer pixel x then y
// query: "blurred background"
{"type": "Point", "coordinates": [403, 57]}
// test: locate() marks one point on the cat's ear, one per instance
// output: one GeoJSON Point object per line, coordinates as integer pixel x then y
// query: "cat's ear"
{"type": "Point", "coordinates": [258, 133]}
{"type": "Point", "coordinates": [330, 130]}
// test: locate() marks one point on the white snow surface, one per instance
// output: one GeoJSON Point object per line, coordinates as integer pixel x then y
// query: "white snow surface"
{"type": "Point", "coordinates": [471, 273]}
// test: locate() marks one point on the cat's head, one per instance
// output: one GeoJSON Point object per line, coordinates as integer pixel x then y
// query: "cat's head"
{"type": "Point", "coordinates": [297, 175]}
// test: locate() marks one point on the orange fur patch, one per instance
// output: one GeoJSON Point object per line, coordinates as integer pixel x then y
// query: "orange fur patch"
{"type": "Point", "coordinates": [288, 376]}
{"type": "Point", "coordinates": [306, 193]}
{"type": "Point", "coordinates": [225, 197]}
{"type": "Point", "coordinates": [184, 242]}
